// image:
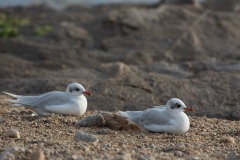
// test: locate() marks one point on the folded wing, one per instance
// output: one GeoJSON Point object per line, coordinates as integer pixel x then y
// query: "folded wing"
{"type": "Point", "coordinates": [39, 103]}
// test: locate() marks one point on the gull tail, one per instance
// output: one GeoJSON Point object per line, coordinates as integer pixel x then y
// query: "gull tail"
{"type": "Point", "coordinates": [17, 101]}
{"type": "Point", "coordinates": [12, 95]}
{"type": "Point", "coordinates": [121, 113]}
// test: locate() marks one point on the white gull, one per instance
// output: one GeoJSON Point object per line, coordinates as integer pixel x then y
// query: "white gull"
{"type": "Point", "coordinates": [71, 102]}
{"type": "Point", "coordinates": [169, 118]}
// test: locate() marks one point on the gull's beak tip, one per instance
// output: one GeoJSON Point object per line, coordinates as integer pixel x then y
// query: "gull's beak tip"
{"type": "Point", "coordinates": [189, 109]}
{"type": "Point", "coordinates": [87, 93]}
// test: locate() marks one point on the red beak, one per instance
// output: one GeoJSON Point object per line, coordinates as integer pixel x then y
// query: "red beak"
{"type": "Point", "coordinates": [189, 109]}
{"type": "Point", "coordinates": [87, 93]}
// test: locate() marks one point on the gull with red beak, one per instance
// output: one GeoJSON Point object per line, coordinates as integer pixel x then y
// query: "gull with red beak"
{"type": "Point", "coordinates": [71, 102]}
{"type": "Point", "coordinates": [169, 118]}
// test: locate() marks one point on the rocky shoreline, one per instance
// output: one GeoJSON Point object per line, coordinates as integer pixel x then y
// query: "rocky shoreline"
{"type": "Point", "coordinates": [131, 57]}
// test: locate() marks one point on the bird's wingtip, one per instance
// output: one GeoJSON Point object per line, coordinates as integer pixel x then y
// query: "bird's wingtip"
{"type": "Point", "coordinates": [10, 94]}
{"type": "Point", "coordinates": [10, 100]}
{"type": "Point", "coordinates": [121, 113]}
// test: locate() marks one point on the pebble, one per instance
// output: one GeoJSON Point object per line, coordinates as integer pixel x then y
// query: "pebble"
{"type": "Point", "coordinates": [105, 131]}
{"type": "Point", "coordinates": [83, 148]}
{"type": "Point", "coordinates": [125, 156]}
{"type": "Point", "coordinates": [178, 153]}
{"type": "Point", "coordinates": [77, 157]}
{"type": "Point", "coordinates": [106, 145]}
{"type": "Point", "coordinates": [227, 139]}
{"type": "Point", "coordinates": [120, 143]}
{"type": "Point", "coordinates": [37, 155]}
{"type": "Point", "coordinates": [151, 145]}
{"type": "Point", "coordinates": [233, 156]}
{"type": "Point", "coordinates": [193, 158]}
{"type": "Point", "coordinates": [140, 157]}
{"type": "Point", "coordinates": [12, 133]}
{"type": "Point", "coordinates": [81, 136]}
{"type": "Point", "coordinates": [180, 147]}
{"type": "Point", "coordinates": [169, 148]}
{"type": "Point", "coordinates": [15, 111]}
{"type": "Point", "coordinates": [91, 121]}
{"type": "Point", "coordinates": [7, 155]}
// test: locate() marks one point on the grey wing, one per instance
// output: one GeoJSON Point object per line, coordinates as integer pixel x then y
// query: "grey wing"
{"type": "Point", "coordinates": [38, 103]}
{"type": "Point", "coordinates": [154, 116]}
{"type": "Point", "coordinates": [51, 98]}
{"type": "Point", "coordinates": [132, 115]}
{"type": "Point", "coordinates": [160, 107]}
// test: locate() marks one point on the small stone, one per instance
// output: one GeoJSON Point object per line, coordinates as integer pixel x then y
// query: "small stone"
{"type": "Point", "coordinates": [142, 157]}
{"type": "Point", "coordinates": [77, 157]}
{"type": "Point", "coordinates": [81, 136]}
{"type": "Point", "coordinates": [83, 148]}
{"type": "Point", "coordinates": [74, 157]}
{"type": "Point", "coordinates": [120, 143]}
{"type": "Point", "coordinates": [151, 145]}
{"type": "Point", "coordinates": [105, 131]}
{"type": "Point", "coordinates": [12, 133]}
{"type": "Point", "coordinates": [125, 156]}
{"type": "Point", "coordinates": [233, 156]}
{"type": "Point", "coordinates": [193, 158]}
{"type": "Point", "coordinates": [15, 111]}
{"type": "Point", "coordinates": [180, 147]}
{"type": "Point", "coordinates": [170, 148]}
{"type": "Point", "coordinates": [7, 155]}
{"type": "Point", "coordinates": [37, 155]}
{"type": "Point", "coordinates": [108, 145]}
{"type": "Point", "coordinates": [91, 121]}
{"type": "Point", "coordinates": [163, 155]}
{"type": "Point", "coordinates": [178, 154]}
{"type": "Point", "coordinates": [227, 139]}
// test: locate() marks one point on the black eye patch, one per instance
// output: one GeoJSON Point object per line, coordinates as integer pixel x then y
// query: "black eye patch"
{"type": "Point", "coordinates": [178, 105]}
{"type": "Point", "coordinates": [77, 89]}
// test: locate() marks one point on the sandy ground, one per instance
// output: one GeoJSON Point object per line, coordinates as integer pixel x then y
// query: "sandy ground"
{"type": "Point", "coordinates": [208, 138]}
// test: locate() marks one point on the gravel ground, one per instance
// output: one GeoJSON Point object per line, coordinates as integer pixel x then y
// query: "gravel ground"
{"type": "Point", "coordinates": [53, 137]}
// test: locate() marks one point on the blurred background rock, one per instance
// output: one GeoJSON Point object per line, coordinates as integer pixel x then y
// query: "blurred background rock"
{"type": "Point", "coordinates": [130, 55]}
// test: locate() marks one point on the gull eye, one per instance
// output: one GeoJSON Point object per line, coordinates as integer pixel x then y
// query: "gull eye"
{"type": "Point", "coordinates": [77, 89]}
{"type": "Point", "coordinates": [178, 105]}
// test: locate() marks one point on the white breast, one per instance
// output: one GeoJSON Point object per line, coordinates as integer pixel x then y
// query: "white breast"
{"type": "Point", "coordinates": [179, 124]}
{"type": "Point", "coordinates": [81, 106]}
{"type": "Point", "coordinates": [76, 106]}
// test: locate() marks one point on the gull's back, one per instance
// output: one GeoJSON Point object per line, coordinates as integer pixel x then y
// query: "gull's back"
{"type": "Point", "coordinates": [39, 103]}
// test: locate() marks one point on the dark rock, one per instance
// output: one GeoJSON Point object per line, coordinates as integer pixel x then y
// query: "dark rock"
{"type": "Point", "coordinates": [81, 136]}
{"type": "Point", "coordinates": [12, 133]}
{"type": "Point", "coordinates": [38, 155]}
{"type": "Point", "coordinates": [92, 120]}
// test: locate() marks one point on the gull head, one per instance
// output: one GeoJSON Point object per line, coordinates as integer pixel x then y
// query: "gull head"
{"type": "Point", "coordinates": [77, 89]}
{"type": "Point", "coordinates": [177, 105]}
